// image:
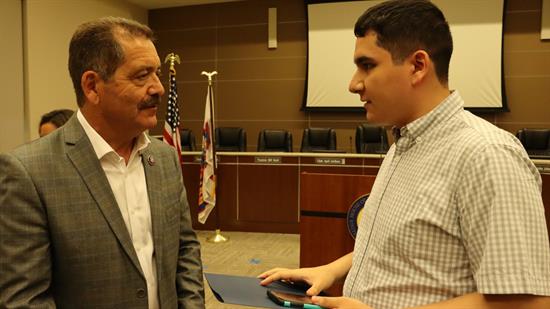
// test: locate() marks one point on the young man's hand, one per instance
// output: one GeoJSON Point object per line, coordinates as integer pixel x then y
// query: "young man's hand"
{"type": "Point", "coordinates": [319, 278]}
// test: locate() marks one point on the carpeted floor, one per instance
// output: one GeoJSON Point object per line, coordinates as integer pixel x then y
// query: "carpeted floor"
{"type": "Point", "coordinates": [246, 254]}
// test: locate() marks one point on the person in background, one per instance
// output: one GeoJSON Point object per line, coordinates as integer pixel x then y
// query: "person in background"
{"type": "Point", "coordinates": [455, 218]}
{"type": "Point", "coordinates": [95, 215]}
{"type": "Point", "coordinates": [53, 120]}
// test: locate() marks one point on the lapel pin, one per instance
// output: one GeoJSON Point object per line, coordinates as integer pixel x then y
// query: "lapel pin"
{"type": "Point", "coordinates": [151, 160]}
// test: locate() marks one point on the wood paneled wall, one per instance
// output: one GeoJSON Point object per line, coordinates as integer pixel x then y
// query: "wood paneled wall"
{"type": "Point", "coordinates": [526, 68]}
{"type": "Point", "coordinates": [261, 88]}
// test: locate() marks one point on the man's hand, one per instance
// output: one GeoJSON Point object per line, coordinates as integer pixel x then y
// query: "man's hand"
{"type": "Point", "coordinates": [319, 278]}
{"type": "Point", "coordinates": [339, 303]}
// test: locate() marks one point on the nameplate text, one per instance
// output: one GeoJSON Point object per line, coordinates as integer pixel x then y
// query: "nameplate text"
{"type": "Point", "coordinates": [268, 160]}
{"type": "Point", "coordinates": [330, 161]}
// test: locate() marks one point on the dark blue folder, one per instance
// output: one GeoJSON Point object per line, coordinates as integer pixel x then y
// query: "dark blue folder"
{"type": "Point", "coordinates": [247, 291]}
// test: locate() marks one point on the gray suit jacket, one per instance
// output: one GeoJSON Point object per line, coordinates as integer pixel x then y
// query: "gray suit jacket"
{"type": "Point", "coordinates": [63, 241]}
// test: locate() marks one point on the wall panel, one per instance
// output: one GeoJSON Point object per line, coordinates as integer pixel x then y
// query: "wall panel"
{"type": "Point", "coordinates": [258, 87]}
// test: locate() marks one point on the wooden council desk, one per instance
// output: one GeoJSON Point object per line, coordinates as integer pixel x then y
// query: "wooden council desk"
{"type": "Point", "coordinates": [260, 191]}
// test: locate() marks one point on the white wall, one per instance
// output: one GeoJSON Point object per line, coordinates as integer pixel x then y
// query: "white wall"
{"type": "Point", "coordinates": [49, 27]}
{"type": "Point", "coordinates": [11, 81]}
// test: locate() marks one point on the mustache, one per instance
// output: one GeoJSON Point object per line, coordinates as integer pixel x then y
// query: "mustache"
{"type": "Point", "coordinates": [154, 101]}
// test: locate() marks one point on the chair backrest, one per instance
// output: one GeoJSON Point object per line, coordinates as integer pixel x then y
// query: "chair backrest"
{"type": "Point", "coordinates": [535, 141]}
{"type": "Point", "coordinates": [230, 139]}
{"type": "Point", "coordinates": [371, 139]}
{"type": "Point", "coordinates": [318, 140]}
{"type": "Point", "coordinates": [187, 140]}
{"type": "Point", "coordinates": [275, 140]}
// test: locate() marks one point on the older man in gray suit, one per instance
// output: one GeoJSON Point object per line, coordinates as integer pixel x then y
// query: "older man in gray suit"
{"type": "Point", "coordinates": [95, 214]}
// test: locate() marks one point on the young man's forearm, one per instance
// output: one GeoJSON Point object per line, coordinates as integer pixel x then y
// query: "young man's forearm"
{"type": "Point", "coordinates": [340, 267]}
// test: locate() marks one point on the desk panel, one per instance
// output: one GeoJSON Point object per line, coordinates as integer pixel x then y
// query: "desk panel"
{"type": "Point", "coordinates": [227, 193]}
{"type": "Point", "coordinates": [268, 193]}
{"type": "Point", "coordinates": [332, 193]}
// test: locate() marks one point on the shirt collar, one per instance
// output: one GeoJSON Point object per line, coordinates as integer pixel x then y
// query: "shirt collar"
{"type": "Point", "coordinates": [444, 110]}
{"type": "Point", "coordinates": [101, 147]}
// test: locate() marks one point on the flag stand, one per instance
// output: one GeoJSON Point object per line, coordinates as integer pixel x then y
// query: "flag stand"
{"type": "Point", "coordinates": [217, 237]}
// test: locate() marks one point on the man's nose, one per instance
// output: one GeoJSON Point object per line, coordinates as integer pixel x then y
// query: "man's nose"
{"type": "Point", "coordinates": [355, 85]}
{"type": "Point", "coordinates": [156, 88]}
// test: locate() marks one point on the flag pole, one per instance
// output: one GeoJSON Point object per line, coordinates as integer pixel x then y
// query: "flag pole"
{"type": "Point", "coordinates": [209, 75]}
{"type": "Point", "coordinates": [217, 237]}
{"type": "Point", "coordinates": [171, 131]}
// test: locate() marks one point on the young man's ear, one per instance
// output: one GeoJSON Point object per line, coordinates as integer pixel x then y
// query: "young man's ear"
{"type": "Point", "coordinates": [89, 83]}
{"type": "Point", "coordinates": [420, 61]}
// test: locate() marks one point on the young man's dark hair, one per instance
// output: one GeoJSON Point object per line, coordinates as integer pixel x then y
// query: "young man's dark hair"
{"type": "Point", "coordinates": [94, 47]}
{"type": "Point", "coordinates": [404, 26]}
{"type": "Point", "coordinates": [58, 117]}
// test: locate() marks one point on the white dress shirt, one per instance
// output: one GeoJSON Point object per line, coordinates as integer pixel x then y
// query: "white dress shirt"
{"type": "Point", "coordinates": [130, 190]}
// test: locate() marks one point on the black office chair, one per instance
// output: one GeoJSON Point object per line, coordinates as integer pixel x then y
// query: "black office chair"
{"type": "Point", "coordinates": [535, 141]}
{"type": "Point", "coordinates": [187, 140]}
{"type": "Point", "coordinates": [230, 139]}
{"type": "Point", "coordinates": [318, 140]}
{"type": "Point", "coordinates": [275, 141]}
{"type": "Point", "coordinates": [371, 139]}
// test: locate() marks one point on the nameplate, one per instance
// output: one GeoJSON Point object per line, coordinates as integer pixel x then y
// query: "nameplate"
{"type": "Point", "coordinates": [198, 159]}
{"type": "Point", "coordinates": [268, 160]}
{"type": "Point", "coordinates": [330, 161]}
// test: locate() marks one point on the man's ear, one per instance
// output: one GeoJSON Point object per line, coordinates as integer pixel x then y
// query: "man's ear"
{"type": "Point", "coordinates": [421, 63]}
{"type": "Point", "coordinates": [89, 83]}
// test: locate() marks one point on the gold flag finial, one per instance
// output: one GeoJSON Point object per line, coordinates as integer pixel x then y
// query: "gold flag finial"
{"type": "Point", "coordinates": [173, 58]}
{"type": "Point", "coordinates": [209, 74]}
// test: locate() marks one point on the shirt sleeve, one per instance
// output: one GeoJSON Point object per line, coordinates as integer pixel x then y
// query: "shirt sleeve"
{"type": "Point", "coordinates": [502, 222]}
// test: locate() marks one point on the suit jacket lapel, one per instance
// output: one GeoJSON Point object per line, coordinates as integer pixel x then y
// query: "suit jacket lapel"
{"type": "Point", "coordinates": [154, 190]}
{"type": "Point", "coordinates": [80, 151]}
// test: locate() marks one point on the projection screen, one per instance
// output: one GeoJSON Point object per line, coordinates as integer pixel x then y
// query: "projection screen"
{"type": "Point", "coordinates": [475, 69]}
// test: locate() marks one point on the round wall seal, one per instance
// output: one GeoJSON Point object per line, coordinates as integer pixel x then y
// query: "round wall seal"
{"type": "Point", "coordinates": [354, 214]}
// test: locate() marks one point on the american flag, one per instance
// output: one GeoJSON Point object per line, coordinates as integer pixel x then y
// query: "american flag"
{"type": "Point", "coordinates": [171, 132]}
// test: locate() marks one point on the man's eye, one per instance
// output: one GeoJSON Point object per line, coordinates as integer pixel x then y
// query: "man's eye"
{"type": "Point", "coordinates": [367, 66]}
{"type": "Point", "coordinates": [142, 76]}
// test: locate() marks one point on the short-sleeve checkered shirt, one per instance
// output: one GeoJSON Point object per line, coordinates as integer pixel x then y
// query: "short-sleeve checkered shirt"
{"type": "Point", "coordinates": [456, 208]}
